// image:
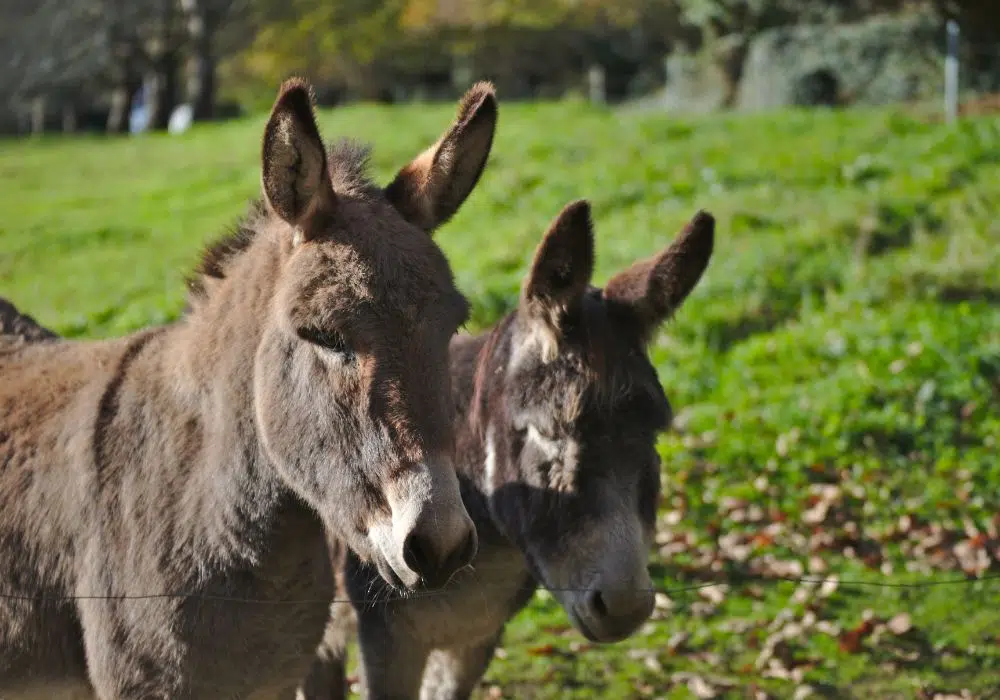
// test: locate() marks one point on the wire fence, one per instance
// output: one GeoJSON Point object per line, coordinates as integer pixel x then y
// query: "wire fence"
{"type": "Point", "coordinates": [443, 592]}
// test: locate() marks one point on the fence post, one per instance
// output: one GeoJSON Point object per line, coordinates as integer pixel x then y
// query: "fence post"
{"type": "Point", "coordinates": [595, 83]}
{"type": "Point", "coordinates": [951, 74]}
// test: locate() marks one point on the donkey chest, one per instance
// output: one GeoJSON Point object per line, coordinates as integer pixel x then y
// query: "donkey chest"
{"type": "Point", "coordinates": [475, 606]}
{"type": "Point", "coordinates": [266, 621]}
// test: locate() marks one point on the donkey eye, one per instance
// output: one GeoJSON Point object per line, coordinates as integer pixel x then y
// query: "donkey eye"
{"type": "Point", "coordinates": [330, 340]}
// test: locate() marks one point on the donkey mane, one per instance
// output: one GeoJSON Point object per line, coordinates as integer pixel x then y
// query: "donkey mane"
{"type": "Point", "coordinates": [347, 163]}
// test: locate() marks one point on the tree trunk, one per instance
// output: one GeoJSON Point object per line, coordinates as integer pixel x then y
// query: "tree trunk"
{"type": "Point", "coordinates": [161, 77]}
{"type": "Point", "coordinates": [126, 84]}
{"type": "Point", "coordinates": [118, 112]}
{"type": "Point", "coordinates": [162, 90]}
{"type": "Point", "coordinates": [201, 82]}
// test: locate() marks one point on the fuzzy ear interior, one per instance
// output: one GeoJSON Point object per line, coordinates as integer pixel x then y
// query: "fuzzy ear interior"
{"type": "Point", "coordinates": [656, 287]}
{"type": "Point", "coordinates": [294, 172]}
{"type": "Point", "coordinates": [429, 190]}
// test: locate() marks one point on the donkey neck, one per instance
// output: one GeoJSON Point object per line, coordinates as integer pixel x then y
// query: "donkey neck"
{"type": "Point", "coordinates": [234, 496]}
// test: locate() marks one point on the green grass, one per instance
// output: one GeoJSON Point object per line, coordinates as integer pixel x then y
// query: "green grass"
{"type": "Point", "coordinates": [844, 343]}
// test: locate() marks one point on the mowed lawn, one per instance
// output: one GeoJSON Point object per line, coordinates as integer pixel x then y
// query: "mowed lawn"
{"type": "Point", "coordinates": [836, 375]}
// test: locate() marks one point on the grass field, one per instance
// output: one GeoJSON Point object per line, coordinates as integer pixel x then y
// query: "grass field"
{"type": "Point", "coordinates": [836, 374]}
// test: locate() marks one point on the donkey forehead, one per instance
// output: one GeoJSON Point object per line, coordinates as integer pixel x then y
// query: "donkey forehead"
{"type": "Point", "coordinates": [597, 359]}
{"type": "Point", "coordinates": [385, 263]}
{"type": "Point", "coordinates": [567, 392]}
{"type": "Point", "coordinates": [552, 394]}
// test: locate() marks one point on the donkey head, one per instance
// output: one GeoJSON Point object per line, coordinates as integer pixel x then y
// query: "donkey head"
{"type": "Point", "coordinates": [570, 407]}
{"type": "Point", "coordinates": [351, 381]}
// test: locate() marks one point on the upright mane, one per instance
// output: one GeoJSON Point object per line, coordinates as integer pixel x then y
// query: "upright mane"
{"type": "Point", "coordinates": [347, 162]}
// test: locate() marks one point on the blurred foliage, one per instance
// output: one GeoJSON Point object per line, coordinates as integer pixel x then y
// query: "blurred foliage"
{"type": "Point", "coordinates": [322, 39]}
{"type": "Point", "coordinates": [355, 46]}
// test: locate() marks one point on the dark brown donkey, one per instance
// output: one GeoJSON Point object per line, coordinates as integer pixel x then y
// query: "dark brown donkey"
{"type": "Point", "coordinates": [306, 386]}
{"type": "Point", "coordinates": [558, 413]}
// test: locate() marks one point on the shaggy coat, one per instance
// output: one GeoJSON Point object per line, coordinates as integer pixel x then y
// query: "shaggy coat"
{"type": "Point", "coordinates": [165, 497]}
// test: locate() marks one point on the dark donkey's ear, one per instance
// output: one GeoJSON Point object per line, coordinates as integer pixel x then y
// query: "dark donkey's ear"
{"type": "Point", "coordinates": [294, 175]}
{"type": "Point", "coordinates": [429, 190]}
{"type": "Point", "coordinates": [563, 265]}
{"type": "Point", "coordinates": [655, 288]}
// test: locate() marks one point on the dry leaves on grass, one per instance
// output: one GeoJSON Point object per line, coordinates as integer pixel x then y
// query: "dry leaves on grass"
{"type": "Point", "coordinates": [702, 685]}
{"type": "Point", "coordinates": [831, 524]}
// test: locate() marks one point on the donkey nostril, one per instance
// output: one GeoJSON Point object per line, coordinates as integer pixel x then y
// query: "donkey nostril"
{"type": "Point", "coordinates": [417, 554]}
{"type": "Point", "coordinates": [597, 604]}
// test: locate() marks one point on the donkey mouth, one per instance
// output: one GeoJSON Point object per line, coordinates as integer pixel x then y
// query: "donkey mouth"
{"type": "Point", "coordinates": [584, 629]}
{"type": "Point", "coordinates": [390, 576]}
{"type": "Point", "coordinates": [605, 634]}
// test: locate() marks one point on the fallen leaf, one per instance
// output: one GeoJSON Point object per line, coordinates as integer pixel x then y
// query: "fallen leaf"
{"type": "Point", "coordinates": [850, 642]}
{"type": "Point", "coordinates": [543, 650]}
{"type": "Point", "coordinates": [900, 624]}
{"type": "Point", "coordinates": [714, 594]}
{"type": "Point", "coordinates": [663, 601]}
{"type": "Point", "coordinates": [816, 565]}
{"type": "Point", "coordinates": [676, 642]}
{"type": "Point", "coordinates": [701, 688]}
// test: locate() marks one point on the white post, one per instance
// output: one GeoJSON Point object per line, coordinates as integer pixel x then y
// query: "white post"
{"type": "Point", "coordinates": [951, 74]}
{"type": "Point", "coordinates": [595, 84]}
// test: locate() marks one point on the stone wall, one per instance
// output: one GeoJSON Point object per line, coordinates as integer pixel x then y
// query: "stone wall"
{"type": "Point", "coordinates": [880, 61]}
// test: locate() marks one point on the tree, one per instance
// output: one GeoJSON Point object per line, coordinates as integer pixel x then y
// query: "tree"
{"type": "Point", "coordinates": [204, 20]}
{"type": "Point", "coordinates": [333, 42]}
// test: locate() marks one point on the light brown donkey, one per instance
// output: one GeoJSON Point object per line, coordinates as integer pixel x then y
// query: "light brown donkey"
{"type": "Point", "coordinates": [148, 484]}
{"type": "Point", "coordinates": [558, 412]}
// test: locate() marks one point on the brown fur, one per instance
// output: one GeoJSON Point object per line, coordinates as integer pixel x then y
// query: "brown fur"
{"type": "Point", "coordinates": [202, 463]}
{"type": "Point", "coordinates": [558, 409]}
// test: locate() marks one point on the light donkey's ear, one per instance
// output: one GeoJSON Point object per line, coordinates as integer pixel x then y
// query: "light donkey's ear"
{"type": "Point", "coordinates": [563, 265]}
{"type": "Point", "coordinates": [429, 190]}
{"type": "Point", "coordinates": [294, 173]}
{"type": "Point", "coordinates": [655, 288]}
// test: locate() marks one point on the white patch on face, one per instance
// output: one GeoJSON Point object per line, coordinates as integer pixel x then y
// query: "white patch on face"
{"type": "Point", "coordinates": [490, 464]}
{"type": "Point", "coordinates": [547, 446]}
{"type": "Point", "coordinates": [538, 338]}
{"type": "Point", "coordinates": [425, 499]}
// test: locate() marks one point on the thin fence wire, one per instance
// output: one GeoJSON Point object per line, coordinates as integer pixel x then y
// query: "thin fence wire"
{"type": "Point", "coordinates": [734, 581]}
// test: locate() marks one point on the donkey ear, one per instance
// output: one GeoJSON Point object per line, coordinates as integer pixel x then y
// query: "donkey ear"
{"type": "Point", "coordinates": [563, 265]}
{"type": "Point", "coordinates": [429, 190]}
{"type": "Point", "coordinates": [294, 174]}
{"type": "Point", "coordinates": [655, 288]}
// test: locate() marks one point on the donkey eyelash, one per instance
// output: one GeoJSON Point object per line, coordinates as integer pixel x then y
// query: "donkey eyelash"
{"type": "Point", "coordinates": [328, 340]}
